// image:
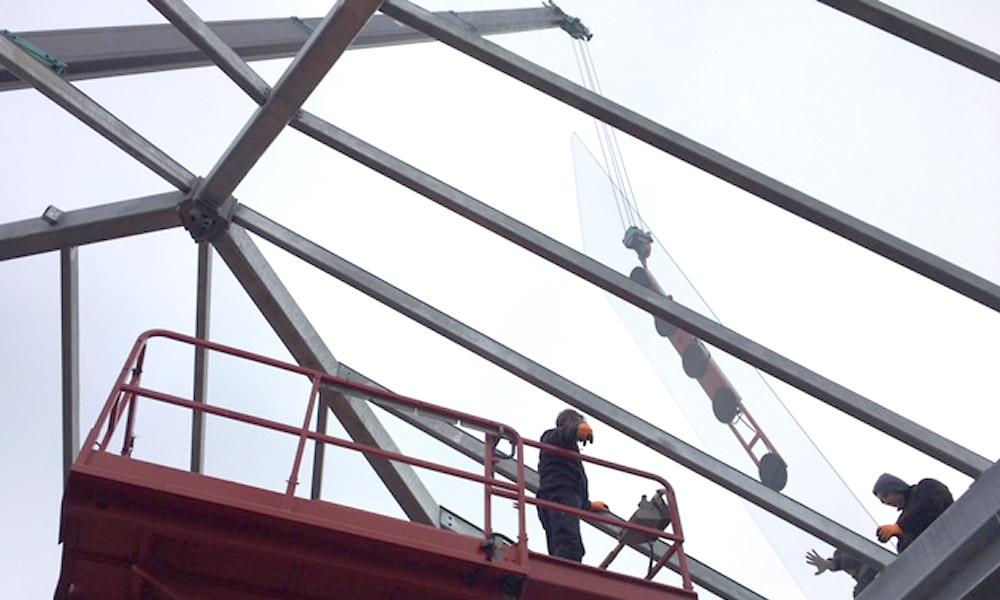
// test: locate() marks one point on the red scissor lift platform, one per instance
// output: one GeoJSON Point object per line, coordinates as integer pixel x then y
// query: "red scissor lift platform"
{"type": "Point", "coordinates": [134, 530]}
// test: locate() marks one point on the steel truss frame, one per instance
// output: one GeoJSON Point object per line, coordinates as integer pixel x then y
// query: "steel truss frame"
{"type": "Point", "coordinates": [207, 208]}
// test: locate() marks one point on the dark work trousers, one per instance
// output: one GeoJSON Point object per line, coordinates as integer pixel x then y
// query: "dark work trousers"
{"type": "Point", "coordinates": [562, 530]}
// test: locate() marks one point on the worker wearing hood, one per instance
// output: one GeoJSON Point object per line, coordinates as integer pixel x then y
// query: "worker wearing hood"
{"type": "Point", "coordinates": [918, 504]}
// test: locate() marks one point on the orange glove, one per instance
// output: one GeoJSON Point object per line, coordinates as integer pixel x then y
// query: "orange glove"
{"type": "Point", "coordinates": [585, 433]}
{"type": "Point", "coordinates": [886, 532]}
{"type": "Point", "coordinates": [598, 506]}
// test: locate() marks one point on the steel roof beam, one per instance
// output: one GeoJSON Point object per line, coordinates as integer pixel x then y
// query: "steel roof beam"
{"type": "Point", "coordinates": [81, 106]}
{"type": "Point", "coordinates": [89, 225]}
{"type": "Point", "coordinates": [562, 388]}
{"type": "Point", "coordinates": [320, 52]}
{"type": "Point", "coordinates": [111, 51]}
{"type": "Point", "coordinates": [307, 348]}
{"type": "Point", "coordinates": [841, 398]}
{"type": "Point", "coordinates": [923, 34]}
{"type": "Point", "coordinates": [579, 264]}
{"type": "Point", "coordinates": [783, 196]}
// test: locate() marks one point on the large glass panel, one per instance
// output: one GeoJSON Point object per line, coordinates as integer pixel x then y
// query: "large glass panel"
{"type": "Point", "coordinates": [735, 413]}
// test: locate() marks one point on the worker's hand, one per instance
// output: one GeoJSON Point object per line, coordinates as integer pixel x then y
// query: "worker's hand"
{"type": "Point", "coordinates": [598, 506]}
{"type": "Point", "coordinates": [584, 433]}
{"type": "Point", "coordinates": [886, 532]}
{"type": "Point", "coordinates": [813, 558]}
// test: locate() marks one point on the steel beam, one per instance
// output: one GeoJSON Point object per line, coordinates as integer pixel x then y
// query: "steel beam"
{"type": "Point", "coordinates": [923, 34]}
{"type": "Point", "coordinates": [307, 348]}
{"type": "Point", "coordinates": [203, 311]}
{"type": "Point", "coordinates": [81, 106]}
{"type": "Point", "coordinates": [472, 447]}
{"type": "Point", "coordinates": [89, 225]}
{"type": "Point", "coordinates": [324, 47]}
{"type": "Point", "coordinates": [579, 264]}
{"type": "Point", "coordinates": [956, 558]}
{"type": "Point", "coordinates": [895, 249]}
{"type": "Point", "coordinates": [562, 388]}
{"type": "Point", "coordinates": [111, 51]}
{"type": "Point", "coordinates": [70, 283]}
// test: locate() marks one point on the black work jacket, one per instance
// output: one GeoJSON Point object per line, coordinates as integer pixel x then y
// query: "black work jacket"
{"type": "Point", "coordinates": [562, 474]}
{"type": "Point", "coordinates": [925, 502]}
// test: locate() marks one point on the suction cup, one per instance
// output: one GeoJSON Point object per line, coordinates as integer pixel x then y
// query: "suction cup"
{"type": "Point", "coordinates": [773, 471]}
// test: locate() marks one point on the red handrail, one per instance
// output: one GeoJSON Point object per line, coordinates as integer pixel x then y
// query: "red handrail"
{"type": "Point", "coordinates": [127, 390]}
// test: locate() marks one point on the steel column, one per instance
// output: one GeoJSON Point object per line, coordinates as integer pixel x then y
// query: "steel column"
{"type": "Point", "coordinates": [88, 225]}
{"type": "Point", "coordinates": [319, 450]}
{"type": "Point", "coordinates": [579, 264]}
{"type": "Point", "coordinates": [70, 283]}
{"type": "Point", "coordinates": [219, 52]}
{"type": "Point", "coordinates": [562, 388]}
{"type": "Point", "coordinates": [809, 208]}
{"type": "Point", "coordinates": [324, 47]}
{"type": "Point", "coordinates": [923, 34]}
{"type": "Point", "coordinates": [94, 115]}
{"type": "Point", "coordinates": [203, 311]}
{"type": "Point", "coordinates": [470, 446]}
{"type": "Point", "coordinates": [305, 345]}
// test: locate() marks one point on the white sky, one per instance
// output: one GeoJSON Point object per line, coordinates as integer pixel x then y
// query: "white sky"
{"type": "Point", "coordinates": [844, 112]}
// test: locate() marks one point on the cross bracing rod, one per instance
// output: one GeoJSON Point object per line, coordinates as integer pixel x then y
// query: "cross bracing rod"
{"type": "Point", "coordinates": [303, 342]}
{"type": "Point", "coordinates": [111, 51]}
{"type": "Point", "coordinates": [837, 396]}
{"type": "Point", "coordinates": [81, 106]}
{"type": "Point", "coordinates": [923, 34]}
{"type": "Point", "coordinates": [579, 264]}
{"type": "Point", "coordinates": [89, 225]}
{"type": "Point", "coordinates": [472, 447]}
{"type": "Point", "coordinates": [327, 43]}
{"type": "Point", "coordinates": [562, 388]}
{"type": "Point", "coordinates": [895, 249]}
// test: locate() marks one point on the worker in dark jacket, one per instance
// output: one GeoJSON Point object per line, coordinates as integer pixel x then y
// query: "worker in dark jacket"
{"type": "Point", "coordinates": [919, 505]}
{"type": "Point", "coordinates": [862, 573]}
{"type": "Point", "coordinates": [563, 480]}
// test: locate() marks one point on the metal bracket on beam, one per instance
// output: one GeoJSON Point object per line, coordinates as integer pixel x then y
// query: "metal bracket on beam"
{"type": "Point", "coordinates": [571, 25]}
{"type": "Point", "coordinates": [306, 26]}
{"type": "Point", "coordinates": [51, 60]}
{"type": "Point", "coordinates": [202, 220]}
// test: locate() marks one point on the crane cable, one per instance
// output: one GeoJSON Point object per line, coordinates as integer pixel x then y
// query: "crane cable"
{"type": "Point", "coordinates": [614, 162]}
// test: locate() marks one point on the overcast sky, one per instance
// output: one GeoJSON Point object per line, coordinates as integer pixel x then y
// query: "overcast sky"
{"type": "Point", "coordinates": [829, 105]}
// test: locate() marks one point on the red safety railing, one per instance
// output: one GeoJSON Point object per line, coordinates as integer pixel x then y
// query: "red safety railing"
{"type": "Point", "coordinates": [123, 399]}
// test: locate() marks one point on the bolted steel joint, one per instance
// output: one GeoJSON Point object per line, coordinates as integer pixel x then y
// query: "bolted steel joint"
{"type": "Point", "coordinates": [201, 219]}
